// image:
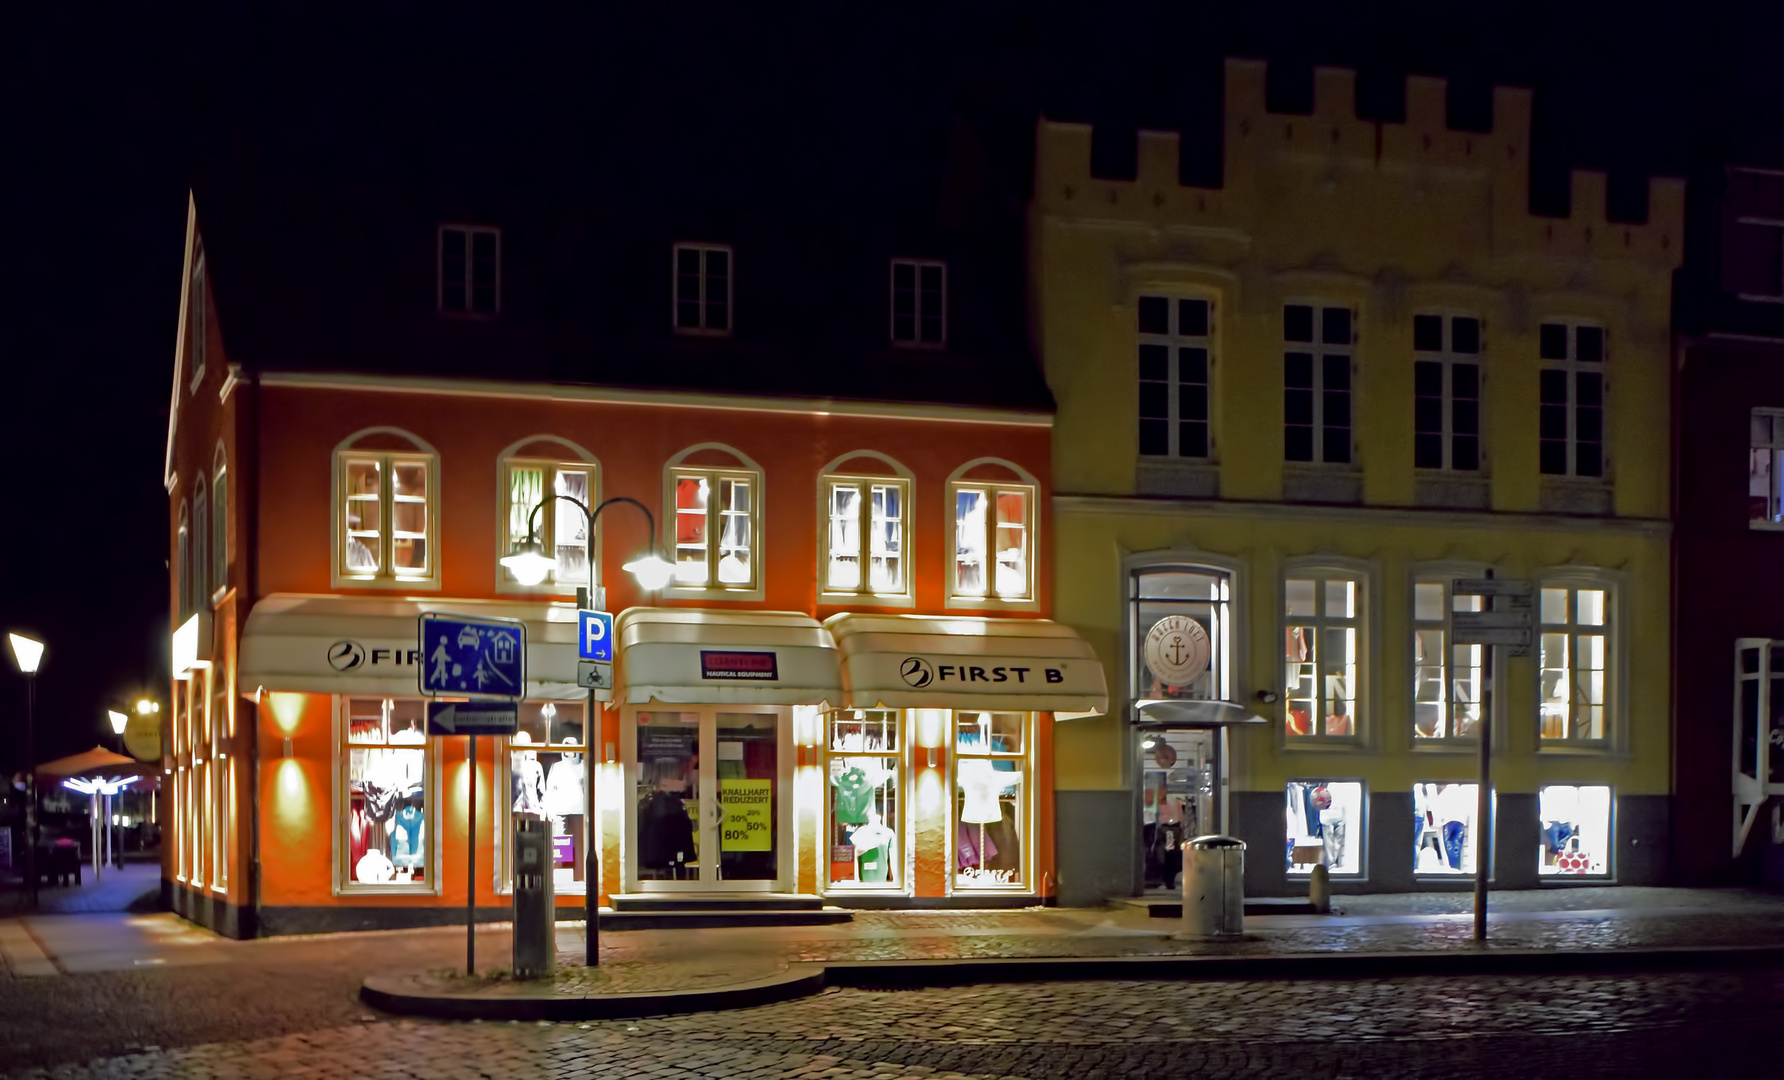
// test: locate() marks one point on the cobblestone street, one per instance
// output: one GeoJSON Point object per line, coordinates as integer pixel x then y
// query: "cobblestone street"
{"type": "Point", "coordinates": [1569, 1026]}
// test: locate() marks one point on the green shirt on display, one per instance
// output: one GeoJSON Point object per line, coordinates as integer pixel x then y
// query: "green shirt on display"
{"type": "Point", "coordinates": [853, 797]}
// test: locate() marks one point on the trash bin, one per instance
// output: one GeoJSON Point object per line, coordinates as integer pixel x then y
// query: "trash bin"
{"type": "Point", "coordinates": [1214, 887]}
{"type": "Point", "coordinates": [535, 919]}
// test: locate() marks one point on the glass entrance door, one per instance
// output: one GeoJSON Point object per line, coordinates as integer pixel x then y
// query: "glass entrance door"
{"type": "Point", "coordinates": [1179, 798]}
{"type": "Point", "coordinates": [707, 808]}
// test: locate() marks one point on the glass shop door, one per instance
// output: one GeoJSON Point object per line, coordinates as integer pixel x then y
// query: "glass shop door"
{"type": "Point", "coordinates": [1180, 787]}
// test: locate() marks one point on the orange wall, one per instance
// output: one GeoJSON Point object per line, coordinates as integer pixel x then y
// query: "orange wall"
{"type": "Point", "coordinates": [301, 427]}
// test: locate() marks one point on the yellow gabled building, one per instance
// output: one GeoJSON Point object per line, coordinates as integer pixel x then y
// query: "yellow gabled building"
{"type": "Point", "coordinates": [1291, 412]}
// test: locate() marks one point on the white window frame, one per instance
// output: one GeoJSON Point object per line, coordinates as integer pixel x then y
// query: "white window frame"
{"type": "Point", "coordinates": [434, 822]}
{"type": "Point", "coordinates": [1615, 631]}
{"type": "Point", "coordinates": [222, 768]}
{"type": "Point", "coordinates": [219, 526]}
{"type": "Point", "coordinates": [1364, 578]}
{"type": "Point", "coordinates": [469, 311]}
{"type": "Point", "coordinates": [201, 551]}
{"type": "Point", "coordinates": [1773, 447]}
{"type": "Point", "coordinates": [917, 340]}
{"type": "Point", "coordinates": [1173, 341]}
{"type": "Point", "coordinates": [701, 302]}
{"type": "Point", "coordinates": [384, 577]}
{"type": "Point", "coordinates": [582, 461]}
{"type": "Point", "coordinates": [183, 565]}
{"type": "Point", "coordinates": [1029, 488]}
{"type": "Point", "coordinates": [1752, 791]}
{"type": "Point", "coordinates": [1443, 576]}
{"type": "Point", "coordinates": [1574, 368]}
{"type": "Point", "coordinates": [745, 469]}
{"type": "Point", "coordinates": [1448, 359]}
{"type": "Point", "coordinates": [1320, 350]}
{"type": "Point", "coordinates": [1026, 768]}
{"type": "Point", "coordinates": [196, 335]}
{"type": "Point", "coordinates": [901, 479]}
{"type": "Point", "coordinates": [503, 880]}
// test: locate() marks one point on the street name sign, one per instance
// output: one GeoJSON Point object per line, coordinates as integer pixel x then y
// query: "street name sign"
{"type": "Point", "coordinates": [594, 635]}
{"type": "Point", "coordinates": [1513, 625]}
{"type": "Point", "coordinates": [472, 717]}
{"type": "Point", "coordinates": [476, 657]}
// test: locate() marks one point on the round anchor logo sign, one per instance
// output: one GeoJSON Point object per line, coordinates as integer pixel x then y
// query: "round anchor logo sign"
{"type": "Point", "coordinates": [916, 672]}
{"type": "Point", "coordinates": [346, 655]}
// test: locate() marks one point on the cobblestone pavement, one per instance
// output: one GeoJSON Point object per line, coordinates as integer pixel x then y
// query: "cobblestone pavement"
{"type": "Point", "coordinates": [1456, 1027]}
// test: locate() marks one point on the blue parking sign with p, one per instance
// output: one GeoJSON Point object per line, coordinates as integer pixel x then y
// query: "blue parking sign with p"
{"type": "Point", "coordinates": [594, 635]}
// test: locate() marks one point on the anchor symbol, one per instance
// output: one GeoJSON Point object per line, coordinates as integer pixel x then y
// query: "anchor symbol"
{"type": "Point", "coordinates": [1177, 649]}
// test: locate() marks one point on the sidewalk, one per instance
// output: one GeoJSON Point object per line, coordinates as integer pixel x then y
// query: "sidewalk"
{"type": "Point", "coordinates": [657, 972]}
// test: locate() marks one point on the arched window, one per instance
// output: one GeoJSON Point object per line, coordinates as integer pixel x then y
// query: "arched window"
{"type": "Point", "coordinates": [715, 526]}
{"type": "Point", "coordinates": [991, 503]}
{"type": "Point", "coordinates": [219, 524]}
{"type": "Point", "coordinates": [531, 470]}
{"type": "Point", "coordinates": [386, 510]}
{"type": "Point", "coordinates": [865, 506]}
{"type": "Point", "coordinates": [201, 562]}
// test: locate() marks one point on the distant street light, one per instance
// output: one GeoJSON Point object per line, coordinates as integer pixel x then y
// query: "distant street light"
{"type": "Point", "coordinates": [118, 721]}
{"type": "Point", "coordinates": [27, 653]}
{"type": "Point", "coordinates": [144, 707]}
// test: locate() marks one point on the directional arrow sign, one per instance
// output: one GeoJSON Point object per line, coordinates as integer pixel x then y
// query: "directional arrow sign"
{"type": "Point", "coordinates": [1466, 622]}
{"type": "Point", "coordinates": [472, 718]}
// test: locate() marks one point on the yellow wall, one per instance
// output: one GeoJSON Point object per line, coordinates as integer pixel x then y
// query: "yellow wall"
{"type": "Point", "coordinates": [1392, 219]}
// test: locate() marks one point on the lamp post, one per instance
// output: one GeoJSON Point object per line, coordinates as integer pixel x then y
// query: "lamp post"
{"type": "Point", "coordinates": [530, 564]}
{"type": "Point", "coordinates": [27, 653]}
{"type": "Point", "coordinates": [115, 839]}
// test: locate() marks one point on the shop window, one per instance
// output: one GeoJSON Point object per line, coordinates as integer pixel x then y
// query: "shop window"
{"type": "Point", "coordinates": [198, 775]}
{"type": "Point", "coordinates": [1443, 828]}
{"type": "Point", "coordinates": [992, 541]}
{"type": "Point", "coordinates": [1575, 664]}
{"type": "Point", "coordinates": [387, 516]}
{"type": "Point", "coordinates": [991, 817]}
{"type": "Point", "coordinates": [863, 764]}
{"type": "Point", "coordinates": [1325, 826]}
{"type": "Point", "coordinates": [547, 770]}
{"type": "Point", "coordinates": [1322, 636]}
{"type": "Point", "coordinates": [1571, 422]}
{"type": "Point", "coordinates": [1176, 336]}
{"type": "Point", "coordinates": [387, 822]}
{"type": "Point", "coordinates": [1181, 636]}
{"type": "Point", "coordinates": [1576, 830]}
{"type": "Point", "coordinates": [1316, 381]}
{"type": "Point", "coordinates": [1446, 392]}
{"type": "Point", "coordinates": [715, 525]}
{"type": "Point", "coordinates": [1178, 793]}
{"type": "Point", "coordinates": [220, 806]}
{"type": "Point", "coordinates": [1451, 683]}
{"type": "Point", "coordinates": [919, 303]}
{"type": "Point", "coordinates": [668, 796]}
{"type": "Point", "coordinates": [562, 528]}
{"type": "Point", "coordinates": [702, 289]}
{"type": "Point", "coordinates": [219, 523]}
{"type": "Point", "coordinates": [866, 535]}
{"type": "Point", "coordinates": [195, 319]}
{"type": "Point", "coordinates": [470, 280]}
{"type": "Point", "coordinates": [1765, 469]}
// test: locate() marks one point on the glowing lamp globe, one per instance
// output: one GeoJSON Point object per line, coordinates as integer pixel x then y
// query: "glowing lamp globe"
{"type": "Point", "coordinates": [529, 564]}
{"type": "Point", "coordinates": [652, 571]}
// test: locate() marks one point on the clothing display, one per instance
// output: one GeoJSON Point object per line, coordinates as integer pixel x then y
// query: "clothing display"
{"type": "Point", "coordinates": [564, 792]}
{"type": "Point", "coordinates": [406, 838]}
{"type": "Point", "coordinates": [853, 796]}
{"type": "Point", "coordinates": [373, 868]}
{"type": "Point", "coordinates": [980, 786]}
{"type": "Point", "coordinates": [972, 848]}
{"type": "Point", "coordinates": [873, 846]}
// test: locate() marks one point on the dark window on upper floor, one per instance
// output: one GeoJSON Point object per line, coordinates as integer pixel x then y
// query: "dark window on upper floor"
{"type": "Point", "coordinates": [702, 284]}
{"type": "Point", "coordinates": [919, 303]}
{"type": "Point", "coordinates": [1446, 392]}
{"type": "Point", "coordinates": [1175, 343]}
{"type": "Point", "coordinates": [470, 270]}
{"type": "Point", "coordinates": [1316, 384]}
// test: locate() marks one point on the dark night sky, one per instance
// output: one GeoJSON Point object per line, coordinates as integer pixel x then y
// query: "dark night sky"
{"type": "Point", "coordinates": [106, 119]}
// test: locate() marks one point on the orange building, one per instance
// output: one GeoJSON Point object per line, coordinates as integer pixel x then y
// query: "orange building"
{"type": "Point", "coordinates": [845, 694]}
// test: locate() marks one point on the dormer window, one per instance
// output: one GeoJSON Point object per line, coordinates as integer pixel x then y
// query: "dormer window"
{"type": "Point", "coordinates": [470, 270]}
{"type": "Point", "coordinates": [919, 303]}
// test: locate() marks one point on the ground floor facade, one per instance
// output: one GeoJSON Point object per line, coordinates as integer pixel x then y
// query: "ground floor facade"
{"type": "Point", "coordinates": [1290, 675]}
{"type": "Point", "coordinates": [868, 761]}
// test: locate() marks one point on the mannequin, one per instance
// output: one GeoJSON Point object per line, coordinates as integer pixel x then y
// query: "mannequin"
{"type": "Point", "coordinates": [873, 843]}
{"type": "Point", "coordinates": [529, 777]}
{"type": "Point", "coordinates": [564, 789]}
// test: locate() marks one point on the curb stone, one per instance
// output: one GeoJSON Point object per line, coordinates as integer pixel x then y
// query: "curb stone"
{"type": "Point", "coordinates": [406, 995]}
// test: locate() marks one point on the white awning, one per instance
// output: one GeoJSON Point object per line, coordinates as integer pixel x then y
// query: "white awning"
{"type": "Point", "coordinates": [946, 662]}
{"type": "Point", "coordinates": [368, 644]}
{"type": "Point", "coordinates": [1183, 712]}
{"type": "Point", "coordinates": [693, 656]}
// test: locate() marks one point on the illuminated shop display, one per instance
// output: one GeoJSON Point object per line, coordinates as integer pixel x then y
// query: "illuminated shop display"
{"type": "Point", "coordinates": [1576, 829]}
{"type": "Point", "coordinates": [1443, 827]}
{"type": "Point", "coordinates": [387, 819]}
{"type": "Point", "coordinates": [546, 781]}
{"type": "Point", "coordinates": [990, 799]}
{"type": "Point", "coordinates": [1325, 826]}
{"type": "Point", "coordinates": [863, 834]}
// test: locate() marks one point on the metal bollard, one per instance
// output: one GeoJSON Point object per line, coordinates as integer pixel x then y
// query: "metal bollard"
{"type": "Point", "coordinates": [535, 919]}
{"type": "Point", "coordinates": [1214, 887]}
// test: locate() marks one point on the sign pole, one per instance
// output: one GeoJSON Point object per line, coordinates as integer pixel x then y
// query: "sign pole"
{"type": "Point", "coordinates": [1483, 811]}
{"type": "Point", "coordinates": [471, 870]}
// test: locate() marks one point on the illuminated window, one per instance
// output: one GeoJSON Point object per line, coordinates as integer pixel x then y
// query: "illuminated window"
{"type": "Point", "coordinates": [866, 537]}
{"type": "Point", "coordinates": [1765, 469]}
{"type": "Point", "coordinates": [1576, 830]}
{"type": "Point", "coordinates": [387, 517]}
{"type": "Point", "coordinates": [222, 768]}
{"type": "Point", "coordinates": [1176, 336]}
{"type": "Point", "coordinates": [919, 303]}
{"type": "Point", "coordinates": [863, 762]}
{"type": "Point", "coordinates": [1571, 423]}
{"type": "Point", "coordinates": [992, 538]}
{"type": "Point", "coordinates": [562, 528]}
{"type": "Point", "coordinates": [1446, 392]}
{"type": "Point", "coordinates": [1316, 381]}
{"type": "Point", "coordinates": [1443, 828]}
{"type": "Point", "coordinates": [702, 289]}
{"type": "Point", "coordinates": [1322, 636]}
{"type": "Point", "coordinates": [991, 812]}
{"type": "Point", "coordinates": [1451, 683]}
{"type": "Point", "coordinates": [387, 819]}
{"type": "Point", "coordinates": [547, 766]}
{"type": "Point", "coordinates": [1575, 664]}
{"type": "Point", "coordinates": [715, 528]}
{"type": "Point", "coordinates": [1325, 826]}
{"type": "Point", "coordinates": [470, 281]}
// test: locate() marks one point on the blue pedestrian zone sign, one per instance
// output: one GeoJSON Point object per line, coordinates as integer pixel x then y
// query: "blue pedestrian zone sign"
{"type": "Point", "coordinates": [473, 657]}
{"type": "Point", "coordinates": [594, 635]}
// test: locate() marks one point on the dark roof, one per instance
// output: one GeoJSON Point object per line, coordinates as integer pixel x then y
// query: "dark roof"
{"type": "Point", "coordinates": [331, 276]}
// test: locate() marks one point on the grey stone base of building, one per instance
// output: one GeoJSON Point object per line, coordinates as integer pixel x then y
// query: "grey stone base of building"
{"type": "Point", "coordinates": [214, 913]}
{"type": "Point", "coordinates": [1640, 830]}
{"type": "Point", "coordinates": [1096, 845]}
{"type": "Point", "coordinates": [282, 921]}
